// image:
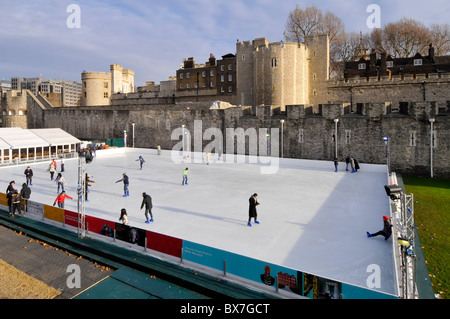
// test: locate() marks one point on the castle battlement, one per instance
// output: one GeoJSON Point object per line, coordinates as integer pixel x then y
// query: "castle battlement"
{"type": "Point", "coordinates": [95, 75]}
{"type": "Point", "coordinates": [407, 79]}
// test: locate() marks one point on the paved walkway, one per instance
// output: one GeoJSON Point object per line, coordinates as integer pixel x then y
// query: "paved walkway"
{"type": "Point", "coordinates": [48, 264]}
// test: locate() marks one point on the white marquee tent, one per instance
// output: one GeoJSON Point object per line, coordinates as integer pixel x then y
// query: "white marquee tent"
{"type": "Point", "coordinates": [21, 145]}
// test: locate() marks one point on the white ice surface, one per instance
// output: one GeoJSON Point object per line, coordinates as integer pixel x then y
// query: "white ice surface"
{"type": "Point", "coordinates": [312, 218]}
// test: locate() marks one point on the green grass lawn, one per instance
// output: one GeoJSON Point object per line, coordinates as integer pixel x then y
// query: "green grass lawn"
{"type": "Point", "coordinates": [432, 217]}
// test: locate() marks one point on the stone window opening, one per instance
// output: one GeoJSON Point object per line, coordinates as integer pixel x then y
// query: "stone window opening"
{"type": "Point", "coordinates": [412, 139]}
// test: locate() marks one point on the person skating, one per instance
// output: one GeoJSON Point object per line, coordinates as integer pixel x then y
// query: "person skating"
{"type": "Point", "coordinates": [61, 198]}
{"type": "Point", "coordinates": [185, 176]}
{"type": "Point", "coordinates": [147, 201]}
{"type": "Point", "coordinates": [336, 163]}
{"type": "Point", "coordinates": [29, 175]}
{"type": "Point", "coordinates": [123, 216]}
{"type": "Point", "coordinates": [87, 184]}
{"type": "Point", "coordinates": [387, 229]}
{"type": "Point", "coordinates": [141, 161]}
{"type": "Point", "coordinates": [159, 149]}
{"type": "Point", "coordinates": [126, 183]}
{"type": "Point", "coordinates": [347, 161]}
{"type": "Point", "coordinates": [60, 180]}
{"type": "Point", "coordinates": [253, 202]}
{"type": "Point", "coordinates": [52, 169]}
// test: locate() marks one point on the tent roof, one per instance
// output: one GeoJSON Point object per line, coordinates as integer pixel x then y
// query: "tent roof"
{"type": "Point", "coordinates": [16, 137]}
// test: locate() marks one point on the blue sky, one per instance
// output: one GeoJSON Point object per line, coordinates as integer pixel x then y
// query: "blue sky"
{"type": "Point", "coordinates": [153, 37]}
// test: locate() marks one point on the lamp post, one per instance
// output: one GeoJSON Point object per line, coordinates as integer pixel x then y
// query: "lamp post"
{"type": "Point", "coordinates": [431, 146]}
{"type": "Point", "coordinates": [133, 124]}
{"type": "Point", "coordinates": [183, 138]}
{"type": "Point", "coordinates": [282, 139]}
{"type": "Point", "coordinates": [388, 155]}
{"type": "Point", "coordinates": [336, 137]}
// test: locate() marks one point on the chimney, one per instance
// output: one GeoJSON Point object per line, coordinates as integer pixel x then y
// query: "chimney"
{"type": "Point", "coordinates": [212, 60]}
{"type": "Point", "coordinates": [383, 62]}
{"type": "Point", "coordinates": [373, 60]}
{"type": "Point", "coordinates": [431, 51]}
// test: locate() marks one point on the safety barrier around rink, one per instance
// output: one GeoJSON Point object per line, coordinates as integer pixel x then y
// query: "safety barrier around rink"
{"type": "Point", "coordinates": [257, 273]}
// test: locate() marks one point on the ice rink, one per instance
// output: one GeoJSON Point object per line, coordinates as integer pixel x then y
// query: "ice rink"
{"type": "Point", "coordinates": [311, 218]}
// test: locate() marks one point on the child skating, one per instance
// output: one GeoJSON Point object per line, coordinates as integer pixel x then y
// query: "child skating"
{"type": "Point", "coordinates": [141, 161]}
{"type": "Point", "coordinates": [185, 176]}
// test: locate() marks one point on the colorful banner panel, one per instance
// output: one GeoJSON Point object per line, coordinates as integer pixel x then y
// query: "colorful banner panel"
{"type": "Point", "coordinates": [35, 210]}
{"type": "Point", "coordinates": [244, 267]}
{"type": "Point", "coordinates": [71, 218]}
{"type": "Point", "coordinates": [164, 244]}
{"type": "Point", "coordinates": [54, 213]}
{"type": "Point", "coordinates": [130, 234]}
{"type": "Point", "coordinates": [100, 226]}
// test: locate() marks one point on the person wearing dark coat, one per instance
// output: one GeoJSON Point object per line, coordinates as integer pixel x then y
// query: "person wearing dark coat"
{"type": "Point", "coordinates": [9, 194]}
{"type": "Point", "coordinates": [147, 201]}
{"type": "Point", "coordinates": [387, 229]}
{"type": "Point", "coordinates": [29, 175]}
{"type": "Point", "coordinates": [126, 183]}
{"type": "Point", "coordinates": [253, 202]}
{"type": "Point", "coordinates": [25, 193]}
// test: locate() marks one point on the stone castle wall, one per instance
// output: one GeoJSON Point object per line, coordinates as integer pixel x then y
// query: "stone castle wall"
{"type": "Point", "coordinates": [306, 134]}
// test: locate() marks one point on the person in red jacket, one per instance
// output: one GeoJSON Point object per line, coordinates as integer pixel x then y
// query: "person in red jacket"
{"type": "Point", "coordinates": [61, 198]}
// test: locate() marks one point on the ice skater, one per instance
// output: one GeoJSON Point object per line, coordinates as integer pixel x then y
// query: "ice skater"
{"type": "Point", "coordinates": [60, 199]}
{"type": "Point", "coordinates": [185, 176]}
{"type": "Point", "coordinates": [60, 180]}
{"type": "Point", "coordinates": [208, 156]}
{"type": "Point", "coordinates": [159, 149]}
{"type": "Point", "coordinates": [29, 175]}
{"type": "Point", "coordinates": [52, 169]}
{"type": "Point", "coordinates": [253, 202]}
{"type": "Point", "coordinates": [147, 201]}
{"type": "Point", "coordinates": [141, 161]}
{"type": "Point", "coordinates": [347, 161]}
{"type": "Point", "coordinates": [123, 216]}
{"type": "Point", "coordinates": [336, 163]}
{"type": "Point", "coordinates": [387, 229]}
{"type": "Point", "coordinates": [126, 183]}
{"type": "Point", "coordinates": [86, 186]}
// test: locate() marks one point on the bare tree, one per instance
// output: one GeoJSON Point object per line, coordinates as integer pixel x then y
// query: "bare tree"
{"type": "Point", "coordinates": [440, 37]}
{"type": "Point", "coordinates": [405, 38]}
{"type": "Point", "coordinates": [302, 22]}
{"type": "Point", "coordinates": [312, 21]}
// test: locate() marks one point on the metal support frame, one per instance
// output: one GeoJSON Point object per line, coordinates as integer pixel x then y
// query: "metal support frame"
{"type": "Point", "coordinates": [81, 196]}
{"type": "Point", "coordinates": [407, 231]}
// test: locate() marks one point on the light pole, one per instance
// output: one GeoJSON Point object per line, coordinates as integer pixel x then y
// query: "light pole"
{"type": "Point", "coordinates": [183, 138]}
{"type": "Point", "coordinates": [388, 160]}
{"type": "Point", "coordinates": [431, 146]}
{"type": "Point", "coordinates": [133, 124]}
{"type": "Point", "coordinates": [336, 137]}
{"type": "Point", "coordinates": [282, 139]}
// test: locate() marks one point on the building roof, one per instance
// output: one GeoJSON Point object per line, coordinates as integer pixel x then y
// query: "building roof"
{"type": "Point", "coordinates": [399, 66]}
{"type": "Point", "coordinates": [16, 137]}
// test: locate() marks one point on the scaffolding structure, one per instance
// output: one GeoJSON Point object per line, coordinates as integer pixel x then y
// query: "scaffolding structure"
{"type": "Point", "coordinates": [406, 240]}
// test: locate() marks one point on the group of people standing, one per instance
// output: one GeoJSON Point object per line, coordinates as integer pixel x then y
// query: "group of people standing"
{"type": "Point", "coordinates": [348, 161]}
{"type": "Point", "coordinates": [17, 200]}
